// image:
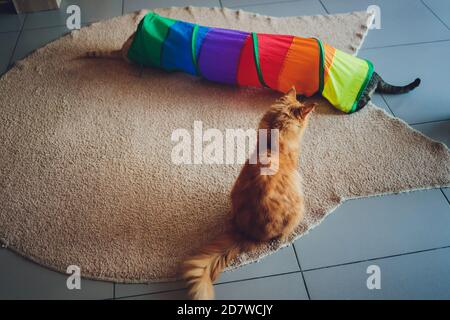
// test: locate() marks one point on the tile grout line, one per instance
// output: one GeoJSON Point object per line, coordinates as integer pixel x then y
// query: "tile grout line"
{"type": "Point", "coordinates": [220, 3]}
{"type": "Point", "coordinates": [85, 24]}
{"type": "Point", "coordinates": [123, 6]}
{"type": "Point", "coordinates": [256, 4]}
{"type": "Point", "coordinates": [378, 258]}
{"type": "Point", "coordinates": [404, 44]}
{"type": "Point", "coordinates": [432, 11]}
{"type": "Point", "coordinates": [149, 294]}
{"type": "Point", "coordinates": [414, 123]}
{"type": "Point", "coordinates": [217, 284]}
{"type": "Point", "coordinates": [294, 272]}
{"type": "Point", "coordinates": [57, 26]}
{"type": "Point", "coordinates": [17, 41]}
{"type": "Point", "coordinates": [323, 6]}
{"type": "Point", "coordinates": [11, 31]}
{"type": "Point", "coordinates": [448, 200]}
{"type": "Point", "coordinates": [427, 122]}
{"type": "Point", "coordinates": [303, 276]}
{"type": "Point", "coordinates": [306, 286]}
{"type": "Point", "coordinates": [387, 104]}
{"type": "Point", "coordinates": [259, 277]}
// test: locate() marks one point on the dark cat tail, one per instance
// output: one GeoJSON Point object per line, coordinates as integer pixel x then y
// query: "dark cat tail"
{"type": "Point", "coordinates": [384, 87]}
{"type": "Point", "coordinates": [202, 269]}
{"type": "Point", "coordinates": [104, 54]}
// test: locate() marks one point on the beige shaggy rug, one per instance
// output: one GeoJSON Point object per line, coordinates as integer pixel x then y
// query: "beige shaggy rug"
{"type": "Point", "coordinates": [85, 151]}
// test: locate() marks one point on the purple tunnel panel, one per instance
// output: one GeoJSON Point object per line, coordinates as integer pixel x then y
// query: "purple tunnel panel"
{"type": "Point", "coordinates": [220, 53]}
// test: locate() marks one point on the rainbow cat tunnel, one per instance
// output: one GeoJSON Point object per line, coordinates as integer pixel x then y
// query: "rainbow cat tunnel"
{"type": "Point", "coordinates": [252, 59]}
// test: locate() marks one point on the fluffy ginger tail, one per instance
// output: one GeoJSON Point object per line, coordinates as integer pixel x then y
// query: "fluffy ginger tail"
{"type": "Point", "coordinates": [201, 270]}
{"type": "Point", "coordinates": [104, 54]}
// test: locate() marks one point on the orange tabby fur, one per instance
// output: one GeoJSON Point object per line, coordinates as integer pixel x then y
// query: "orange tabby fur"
{"type": "Point", "coordinates": [264, 207]}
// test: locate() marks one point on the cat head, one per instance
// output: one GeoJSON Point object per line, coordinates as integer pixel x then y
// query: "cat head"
{"type": "Point", "coordinates": [287, 113]}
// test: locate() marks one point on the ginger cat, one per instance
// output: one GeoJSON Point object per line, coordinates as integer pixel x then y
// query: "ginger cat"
{"type": "Point", "coordinates": [264, 207]}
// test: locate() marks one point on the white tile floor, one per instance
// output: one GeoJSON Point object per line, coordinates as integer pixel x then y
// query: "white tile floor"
{"type": "Point", "coordinates": [400, 64]}
{"type": "Point", "coordinates": [281, 9]}
{"type": "Point", "coordinates": [406, 235]}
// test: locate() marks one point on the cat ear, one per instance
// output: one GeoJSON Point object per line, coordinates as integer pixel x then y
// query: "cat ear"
{"type": "Point", "coordinates": [304, 111]}
{"type": "Point", "coordinates": [292, 93]}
